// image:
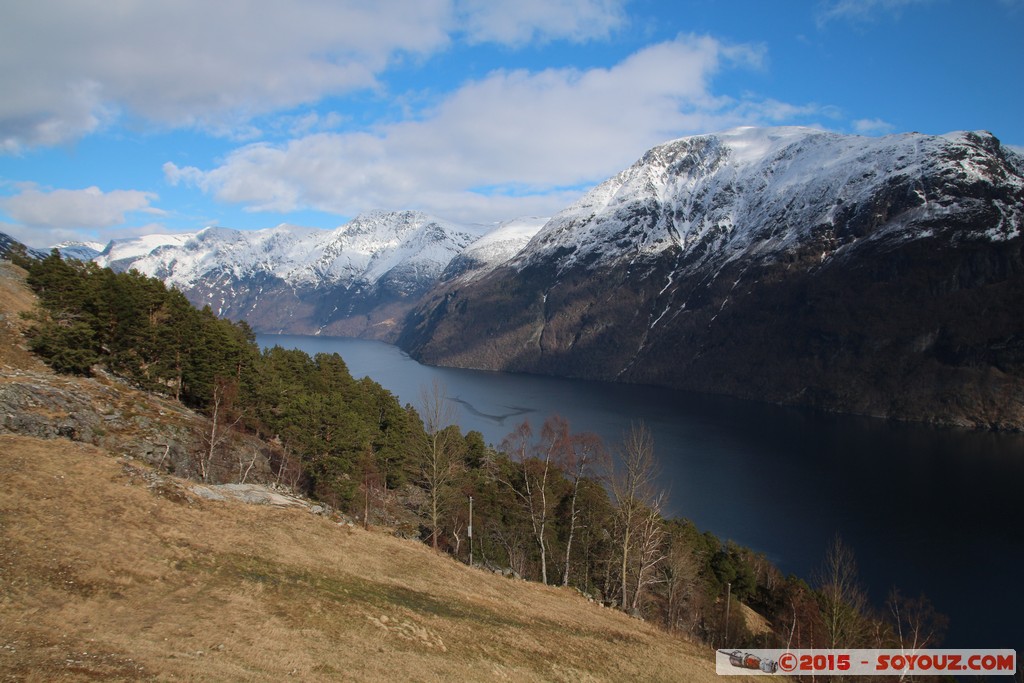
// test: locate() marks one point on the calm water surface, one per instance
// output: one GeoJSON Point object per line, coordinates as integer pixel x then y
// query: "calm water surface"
{"type": "Point", "coordinates": [937, 511]}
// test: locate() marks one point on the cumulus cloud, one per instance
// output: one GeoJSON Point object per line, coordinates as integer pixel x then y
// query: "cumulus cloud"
{"type": "Point", "coordinates": [512, 143]}
{"type": "Point", "coordinates": [191, 62]}
{"type": "Point", "coordinates": [73, 66]}
{"type": "Point", "coordinates": [74, 209]}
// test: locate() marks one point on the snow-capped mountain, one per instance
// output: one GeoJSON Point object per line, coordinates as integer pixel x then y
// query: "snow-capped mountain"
{"type": "Point", "coordinates": [755, 192]}
{"type": "Point", "coordinates": [82, 251]}
{"type": "Point", "coordinates": [9, 244]}
{"type": "Point", "coordinates": [121, 254]}
{"type": "Point", "coordinates": [880, 276]}
{"type": "Point", "coordinates": [296, 279]}
{"type": "Point", "coordinates": [874, 275]}
{"type": "Point", "coordinates": [494, 249]}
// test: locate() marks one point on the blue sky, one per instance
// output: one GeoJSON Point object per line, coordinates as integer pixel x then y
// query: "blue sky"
{"type": "Point", "coordinates": [145, 116]}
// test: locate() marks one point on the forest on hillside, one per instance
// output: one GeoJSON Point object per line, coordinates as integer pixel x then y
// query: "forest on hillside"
{"type": "Point", "coordinates": [548, 504]}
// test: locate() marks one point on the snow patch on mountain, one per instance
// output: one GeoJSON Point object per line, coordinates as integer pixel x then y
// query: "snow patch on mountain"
{"type": "Point", "coordinates": [495, 248]}
{"type": "Point", "coordinates": [83, 251]}
{"type": "Point", "coordinates": [760, 191]}
{"type": "Point", "coordinates": [403, 246]}
{"type": "Point", "coordinates": [121, 252]}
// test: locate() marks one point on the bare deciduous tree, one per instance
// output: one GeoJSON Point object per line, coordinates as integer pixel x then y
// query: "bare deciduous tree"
{"type": "Point", "coordinates": [633, 489]}
{"type": "Point", "coordinates": [289, 469]}
{"type": "Point", "coordinates": [535, 462]}
{"type": "Point", "coordinates": [650, 536]}
{"type": "Point", "coordinates": [221, 406]}
{"type": "Point", "coordinates": [678, 573]}
{"type": "Point", "coordinates": [584, 450]}
{"type": "Point", "coordinates": [438, 460]}
{"type": "Point", "coordinates": [243, 468]}
{"type": "Point", "coordinates": [843, 600]}
{"type": "Point", "coordinates": [511, 540]}
{"type": "Point", "coordinates": [916, 623]}
{"type": "Point", "coordinates": [370, 476]}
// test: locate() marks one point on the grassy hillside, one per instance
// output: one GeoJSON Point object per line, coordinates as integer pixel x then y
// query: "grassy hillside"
{"type": "Point", "coordinates": [106, 576]}
{"type": "Point", "coordinates": [111, 569]}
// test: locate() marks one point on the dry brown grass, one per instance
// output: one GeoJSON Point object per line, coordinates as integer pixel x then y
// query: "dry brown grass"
{"type": "Point", "coordinates": [15, 298]}
{"type": "Point", "coordinates": [105, 578]}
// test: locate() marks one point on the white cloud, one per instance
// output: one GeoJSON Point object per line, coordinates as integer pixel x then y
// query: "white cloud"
{"type": "Point", "coordinates": [39, 238]}
{"type": "Point", "coordinates": [873, 127]}
{"type": "Point", "coordinates": [517, 22]}
{"type": "Point", "coordinates": [774, 111]}
{"type": "Point", "coordinates": [72, 209]}
{"type": "Point", "coordinates": [861, 10]}
{"type": "Point", "coordinates": [192, 62]}
{"type": "Point", "coordinates": [73, 66]}
{"type": "Point", "coordinates": [44, 238]}
{"type": "Point", "coordinates": [527, 138]}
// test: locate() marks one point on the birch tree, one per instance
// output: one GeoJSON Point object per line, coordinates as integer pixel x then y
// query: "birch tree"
{"type": "Point", "coordinates": [633, 488]}
{"type": "Point", "coordinates": [679, 574]}
{"type": "Point", "coordinates": [916, 623]}
{"type": "Point", "coordinates": [650, 551]}
{"type": "Point", "coordinates": [221, 406]}
{"type": "Point", "coordinates": [439, 462]}
{"type": "Point", "coordinates": [583, 452]}
{"type": "Point", "coordinates": [842, 598]}
{"type": "Point", "coordinates": [535, 463]}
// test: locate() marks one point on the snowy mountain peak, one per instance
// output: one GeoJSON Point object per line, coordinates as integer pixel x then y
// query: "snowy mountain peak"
{"type": "Point", "coordinates": [879, 276]}
{"type": "Point", "coordinates": [763, 190]}
{"type": "Point", "coordinates": [364, 250]}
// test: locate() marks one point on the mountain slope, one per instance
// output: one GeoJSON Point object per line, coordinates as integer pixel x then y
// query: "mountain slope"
{"type": "Point", "coordinates": [111, 572]}
{"type": "Point", "coordinates": [83, 251]}
{"type": "Point", "coordinates": [354, 280]}
{"type": "Point", "coordinates": [880, 276]}
{"type": "Point", "coordinates": [492, 250]}
{"type": "Point", "coordinates": [8, 244]}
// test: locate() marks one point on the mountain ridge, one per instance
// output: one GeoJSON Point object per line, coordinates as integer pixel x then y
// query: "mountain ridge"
{"type": "Point", "coordinates": [352, 281]}
{"type": "Point", "coordinates": [876, 276]}
{"type": "Point", "coordinates": [792, 265]}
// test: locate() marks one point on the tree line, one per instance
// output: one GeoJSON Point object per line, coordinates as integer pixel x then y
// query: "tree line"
{"type": "Point", "coordinates": [549, 504]}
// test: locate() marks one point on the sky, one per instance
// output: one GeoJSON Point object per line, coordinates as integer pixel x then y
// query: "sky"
{"type": "Point", "coordinates": [135, 117]}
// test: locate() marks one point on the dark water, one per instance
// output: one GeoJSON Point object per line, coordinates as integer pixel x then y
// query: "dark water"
{"type": "Point", "coordinates": [933, 511]}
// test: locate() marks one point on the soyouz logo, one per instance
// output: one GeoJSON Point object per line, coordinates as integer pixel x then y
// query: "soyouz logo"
{"type": "Point", "coordinates": [768, 662]}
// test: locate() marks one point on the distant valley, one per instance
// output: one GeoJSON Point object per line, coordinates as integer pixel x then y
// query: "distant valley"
{"type": "Point", "coordinates": [878, 276]}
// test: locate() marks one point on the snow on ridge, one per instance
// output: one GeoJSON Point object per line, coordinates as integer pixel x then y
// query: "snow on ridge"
{"type": "Point", "coordinates": [496, 247]}
{"type": "Point", "coordinates": [751, 145]}
{"type": "Point", "coordinates": [517, 231]}
{"type": "Point", "coordinates": [136, 247]}
{"type": "Point", "coordinates": [757, 190]}
{"type": "Point", "coordinates": [365, 249]}
{"type": "Point", "coordinates": [83, 251]}
{"type": "Point", "coordinates": [95, 246]}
